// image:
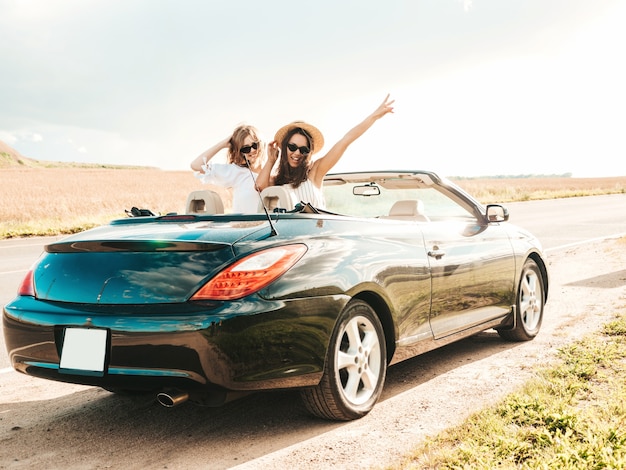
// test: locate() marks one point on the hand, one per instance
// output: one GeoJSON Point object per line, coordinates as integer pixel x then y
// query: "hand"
{"type": "Point", "coordinates": [273, 151]}
{"type": "Point", "coordinates": [384, 108]}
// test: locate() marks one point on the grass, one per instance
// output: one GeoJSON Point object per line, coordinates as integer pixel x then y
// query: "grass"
{"type": "Point", "coordinates": [10, 160]}
{"type": "Point", "coordinates": [52, 201]}
{"type": "Point", "coordinates": [528, 189]}
{"type": "Point", "coordinates": [571, 416]}
{"type": "Point", "coordinates": [40, 200]}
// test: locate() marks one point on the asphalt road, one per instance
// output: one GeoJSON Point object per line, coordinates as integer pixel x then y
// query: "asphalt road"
{"type": "Point", "coordinates": [561, 223]}
{"type": "Point", "coordinates": [55, 425]}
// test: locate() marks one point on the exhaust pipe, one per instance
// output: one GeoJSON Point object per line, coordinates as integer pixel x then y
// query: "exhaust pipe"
{"type": "Point", "coordinates": [172, 398]}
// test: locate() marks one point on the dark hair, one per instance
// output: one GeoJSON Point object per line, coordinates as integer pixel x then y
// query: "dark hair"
{"type": "Point", "coordinates": [286, 174]}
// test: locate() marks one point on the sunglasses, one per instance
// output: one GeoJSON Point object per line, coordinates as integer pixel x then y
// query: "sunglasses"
{"type": "Point", "coordinates": [248, 148]}
{"type": "Point", "coordinates": [303, 150]}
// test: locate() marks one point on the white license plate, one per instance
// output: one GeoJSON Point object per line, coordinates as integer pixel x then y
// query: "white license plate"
{"type": "Point", "coordinates": [84, 350]}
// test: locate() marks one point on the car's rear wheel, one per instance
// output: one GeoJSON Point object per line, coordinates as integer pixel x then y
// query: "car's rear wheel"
{"type": "Point", "coordinates": [529, 305]}
{"type": "Point", "coordinates": [355, 369]}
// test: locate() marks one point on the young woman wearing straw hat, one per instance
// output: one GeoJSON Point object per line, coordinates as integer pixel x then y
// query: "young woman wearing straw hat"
{"type": "Point", "coordinates": [296, 143]}
{"type": "Point", "coordinates": [244, 143]}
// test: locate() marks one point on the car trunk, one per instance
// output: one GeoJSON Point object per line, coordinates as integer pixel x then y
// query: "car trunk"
{"type": "Point", "coordinates": [128, 264]}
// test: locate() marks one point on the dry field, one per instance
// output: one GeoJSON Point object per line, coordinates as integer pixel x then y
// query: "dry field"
{"type": "Point", "coordinates": [527, 189]}
{"type": "Point", "coordinates": [48, 201]}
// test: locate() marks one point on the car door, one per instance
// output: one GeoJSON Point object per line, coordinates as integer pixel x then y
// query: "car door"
{"type": "Point", "coordinates": [472, 270]}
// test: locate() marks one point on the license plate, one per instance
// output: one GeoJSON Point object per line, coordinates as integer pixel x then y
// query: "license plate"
{"type": "Point", "coordinates": [84, 350]}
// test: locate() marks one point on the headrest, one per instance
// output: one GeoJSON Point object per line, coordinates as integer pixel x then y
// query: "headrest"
{"type": "Point", "coordinates": [407, 208]}
{"type": "Point", "coordinates": [204, 202]}
{"type": "Point", "coordinates": [276, 197]}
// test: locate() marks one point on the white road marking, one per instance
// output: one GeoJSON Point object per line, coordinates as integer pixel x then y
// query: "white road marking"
{"type": "Point", "coordinates": [591, 240]}
{"type": "Point", "coordinates": [13, 272]}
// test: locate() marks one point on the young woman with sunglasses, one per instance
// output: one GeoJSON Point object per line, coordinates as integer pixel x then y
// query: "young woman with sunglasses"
{"type": "Point", "coordinates": [296, 143]}
{"type": "Point", "coordinates": [244, 143]}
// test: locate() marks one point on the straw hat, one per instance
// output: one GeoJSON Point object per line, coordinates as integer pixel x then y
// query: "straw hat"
{"type": "Point", "coordinates": [314, 132]}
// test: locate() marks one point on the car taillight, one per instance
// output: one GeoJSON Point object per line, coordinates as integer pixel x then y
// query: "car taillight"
{"type": "Point", "coordinates": [250, 274]}
{"type": "Point", "coordinates": [28, 286]}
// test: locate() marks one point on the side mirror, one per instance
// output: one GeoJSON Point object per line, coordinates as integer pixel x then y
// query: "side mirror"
{"type": "Point", "coordinates": [366, 190]}
{"type": "Point", "coordinates": [497, 213]}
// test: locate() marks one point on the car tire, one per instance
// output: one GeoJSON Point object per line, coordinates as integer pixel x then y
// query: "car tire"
{"type": "Point", "coordinates": [355, 368]}
{"type": "Point", "coordinates": [529, 305]}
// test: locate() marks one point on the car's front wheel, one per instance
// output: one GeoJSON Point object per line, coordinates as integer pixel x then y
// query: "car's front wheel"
{"type": "Point", "coordinates": [529, 305]}
{"type": "Point", "coordinates": [355, 369]}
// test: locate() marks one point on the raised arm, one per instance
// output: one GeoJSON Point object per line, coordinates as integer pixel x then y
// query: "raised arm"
{"type": "Point", "coordinates": [265, 175]}
{"type": "Point", "coordinates": [196, 164]}
{"type": "Point", "coordinates": [323, 165]}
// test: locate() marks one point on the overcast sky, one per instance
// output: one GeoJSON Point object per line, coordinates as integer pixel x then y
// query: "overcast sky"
{"type": "Point", "coordinates": [482, 87]}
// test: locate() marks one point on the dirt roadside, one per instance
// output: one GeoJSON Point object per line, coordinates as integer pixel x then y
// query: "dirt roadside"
{"type": "Point", "coordinates": [50, 425]}
{"type": "Point", "coordinates": [588, 286]}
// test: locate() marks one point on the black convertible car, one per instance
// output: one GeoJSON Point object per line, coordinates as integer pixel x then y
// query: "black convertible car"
{"type": "Point", "coordinates": [205, 305]}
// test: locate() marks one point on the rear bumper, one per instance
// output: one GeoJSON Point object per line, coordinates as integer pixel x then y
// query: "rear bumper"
{"type": "Point", "coordinates": [249, 345]}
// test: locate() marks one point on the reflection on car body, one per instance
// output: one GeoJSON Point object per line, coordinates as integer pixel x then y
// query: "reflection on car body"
{"type": "Point", "coordinates": [201, 306]}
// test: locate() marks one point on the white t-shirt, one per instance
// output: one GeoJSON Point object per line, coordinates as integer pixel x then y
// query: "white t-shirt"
{"type": "Point", "coordinates": [229, 175]}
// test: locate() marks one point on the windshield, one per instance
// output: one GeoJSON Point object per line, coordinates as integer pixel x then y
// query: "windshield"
{"type": "Point", "coordinates": [377, 200]}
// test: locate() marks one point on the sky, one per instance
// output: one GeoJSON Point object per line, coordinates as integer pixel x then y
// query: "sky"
{"type": "Point", "coordinates": [482, 87]}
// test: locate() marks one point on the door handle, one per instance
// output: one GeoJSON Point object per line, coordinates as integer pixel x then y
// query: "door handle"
{"type": "Point", "coordinates": [436, 253]}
